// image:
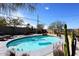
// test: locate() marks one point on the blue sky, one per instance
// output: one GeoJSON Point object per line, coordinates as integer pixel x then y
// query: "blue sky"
{"type": "Point", "coordinates": [48, 13]}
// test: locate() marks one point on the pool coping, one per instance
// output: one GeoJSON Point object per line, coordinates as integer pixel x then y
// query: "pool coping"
{"type": "Point", "coordinates": [34, 52]}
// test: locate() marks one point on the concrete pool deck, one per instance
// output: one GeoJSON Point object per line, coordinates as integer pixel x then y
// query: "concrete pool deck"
{"type": "Point", "coordinates": [3, 50]}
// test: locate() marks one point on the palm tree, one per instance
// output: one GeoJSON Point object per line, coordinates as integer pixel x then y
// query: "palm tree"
{"type": "Point", "coordinates": [8, 8]}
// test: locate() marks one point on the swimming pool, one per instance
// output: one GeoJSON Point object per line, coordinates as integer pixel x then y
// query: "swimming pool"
{"type": "Point", "coordinates": [33, 43]}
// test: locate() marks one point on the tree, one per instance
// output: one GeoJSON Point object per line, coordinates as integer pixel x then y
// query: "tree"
{"type": "Point", "coordinates": [15, 22]}
{"type": "Point", "coordinates": [40, 28]}
{"type": "Point", "coordinates": [28, 25]}
{"type": "Point", "coordinates": [57, 26]}
{"type": "Point", "coordinates": [28, 29]}
{"type": "Point", "coordinates": [33, 30]}
{"type": "Point", "coordinates": [8, 8]}
{"type": "Point", "coordinates": [3, 21]}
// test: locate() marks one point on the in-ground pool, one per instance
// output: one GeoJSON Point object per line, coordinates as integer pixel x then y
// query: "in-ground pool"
{"type": "Point", "coordinates": [32, 43]}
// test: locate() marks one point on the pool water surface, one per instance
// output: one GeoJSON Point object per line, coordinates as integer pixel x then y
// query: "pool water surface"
{"type": "Point", "coordinates": [32, 43]}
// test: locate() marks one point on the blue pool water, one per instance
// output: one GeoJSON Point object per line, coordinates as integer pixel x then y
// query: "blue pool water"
{"type": "Point", "coordinates": [32, 43]}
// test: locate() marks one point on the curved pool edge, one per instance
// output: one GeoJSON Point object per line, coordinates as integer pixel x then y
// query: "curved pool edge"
{"type": "Point", "coordinates": [21, 37]}
{"type": "Point", "coordinates": [35, 52]}
{"type": "Point", "coordinates": [6, 42]}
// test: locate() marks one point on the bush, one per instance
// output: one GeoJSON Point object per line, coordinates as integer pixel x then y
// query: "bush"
{"type": "Point", "coordinates": [58, 53]}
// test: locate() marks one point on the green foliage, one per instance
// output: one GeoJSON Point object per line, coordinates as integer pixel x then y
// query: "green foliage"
{"type": "Point", "coordinates": [66, 39]}
{"type": "Point", "coordinates": [3, 21]}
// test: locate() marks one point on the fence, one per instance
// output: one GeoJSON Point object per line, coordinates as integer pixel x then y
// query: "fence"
{"type": "Point", "coordinates": [13, 30]}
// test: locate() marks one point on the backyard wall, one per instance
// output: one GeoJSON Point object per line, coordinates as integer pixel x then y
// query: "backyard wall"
{"type": "Point", "coordinates": [7, 30]}
{"type": "Point", "coordinates": [12, 30]}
